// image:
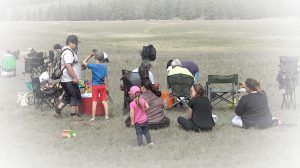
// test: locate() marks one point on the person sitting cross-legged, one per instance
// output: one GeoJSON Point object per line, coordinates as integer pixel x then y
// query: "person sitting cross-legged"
{"type": "Point", "coordinates": [200, 112]}
{"type": "Point", "coordinates": [155, 112]}
{"type": "Point", "coordinates": [253, 109]}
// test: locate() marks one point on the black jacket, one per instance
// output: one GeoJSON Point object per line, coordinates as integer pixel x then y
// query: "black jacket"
{"type": "Point", "coordinates": [254, 110]}
{"type": "Point", "coordinates": [201, 114]}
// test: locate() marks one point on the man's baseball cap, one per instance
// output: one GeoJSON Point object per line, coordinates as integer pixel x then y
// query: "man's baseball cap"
{"type": "Point", "coordinates": [72, 39]}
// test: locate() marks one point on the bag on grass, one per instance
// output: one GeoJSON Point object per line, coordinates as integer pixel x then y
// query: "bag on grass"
{"type": "Point", "coordinates": [25, 99]}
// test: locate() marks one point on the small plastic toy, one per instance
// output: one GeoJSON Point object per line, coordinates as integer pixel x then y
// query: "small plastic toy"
{"type": "Point", "coordinates": [69, 133]}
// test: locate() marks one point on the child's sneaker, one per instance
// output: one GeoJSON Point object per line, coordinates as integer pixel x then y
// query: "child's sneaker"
{"type": "Point", "coordinates": [92, 119]}
{"type": "Point", "coordinates": [106, 118]}
{"type": "Point", "coordinates": [151, 145]}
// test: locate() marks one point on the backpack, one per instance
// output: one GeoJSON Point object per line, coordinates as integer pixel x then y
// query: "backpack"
{"type": "Point", "coordinates": [148, 52]}
{"type": "Point", "coordinates": [57, 72]}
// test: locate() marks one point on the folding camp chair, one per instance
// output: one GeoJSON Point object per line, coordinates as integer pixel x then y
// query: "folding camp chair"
{"type": "Point", "coordinates": [288, 79]}
{"type": "Point", "coordinates": [128, 79]}
{"type": "Point", "coordinates": [44, 98]}
{"type": "Point", "coordinates": [34, 63]}
{"type": "Point", "coordinates": [179, 88]}
{"type": "Point", "coordinates": [217, 89]}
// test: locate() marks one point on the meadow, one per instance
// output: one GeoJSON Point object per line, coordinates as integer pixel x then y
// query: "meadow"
{"type": "Point", "coordinates": [251, 48]}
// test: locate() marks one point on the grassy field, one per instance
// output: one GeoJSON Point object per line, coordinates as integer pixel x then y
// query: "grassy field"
{"type": "Point", "coordinates": [31, 138]}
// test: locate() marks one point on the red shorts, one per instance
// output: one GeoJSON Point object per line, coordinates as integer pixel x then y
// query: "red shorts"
{"type": "Point", "coordinates": [96, 89]}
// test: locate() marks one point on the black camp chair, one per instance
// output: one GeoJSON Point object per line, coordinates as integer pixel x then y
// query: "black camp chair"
{"type": "Point", "coordinates": [34, 63]}
{"type": "Point", "coordinates": [288, 79]}
{"type": "Point", "coordinates": [179, 88]}
{"type": "Point", "coordinates": [44, 98]}
{"type": "Point", "coordinates": [217, 88]}
{"type": "Point", "coordinates": [128, 79]}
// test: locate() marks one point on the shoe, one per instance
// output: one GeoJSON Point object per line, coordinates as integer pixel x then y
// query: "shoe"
{"type": "Point", "coordinates": [76, 117]}
{"type": "Point", "coordinates": [92, 119]}
{"type": "Point", "coordinates": [151, 145]}
{"type": "Point", "coordinates": [58, 111]}
{"type": "Point", "coordinates": [106, 118]}
{"type": "Point", "coordinates": [56, 115]}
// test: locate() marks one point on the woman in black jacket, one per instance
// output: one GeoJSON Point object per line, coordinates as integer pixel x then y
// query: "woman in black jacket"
{"type": "Point", "coordinates": [199, 113]}
{"type": "Point", "coordinates": [253, 109]}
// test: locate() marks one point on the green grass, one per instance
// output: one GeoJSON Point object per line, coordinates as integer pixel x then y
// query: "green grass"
{"type": "Point", "coordinates": [249, 48]}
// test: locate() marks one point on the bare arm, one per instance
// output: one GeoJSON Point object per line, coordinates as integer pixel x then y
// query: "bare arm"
{"type": "Point", "coordinates": [72, 73]}
{"type": "Point", "coordinates": [132, 116]}
{"type": "Point", "coordinates": [86, 59]}
{"type": "Point", "coordinates": [147, 106]}
{"type": "Point", "coordinates": [106, 82]}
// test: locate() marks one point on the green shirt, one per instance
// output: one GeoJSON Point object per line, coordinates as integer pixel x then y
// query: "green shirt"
{"type": "Point", "coordinates": [8, 62]}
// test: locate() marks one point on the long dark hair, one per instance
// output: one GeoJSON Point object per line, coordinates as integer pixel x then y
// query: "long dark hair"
{"type": "Point", "coordinates": [148, 85]}
{"type": "Point", "coordinates": [144, 70]}
{"type": "Point", "coordinates": [199, 89]}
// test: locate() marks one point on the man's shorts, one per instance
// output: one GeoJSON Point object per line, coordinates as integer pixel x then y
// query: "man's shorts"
{"type": "Point", "coordinates": [96, 89]}
{"type": "Point", "coordinates": [72, 93]}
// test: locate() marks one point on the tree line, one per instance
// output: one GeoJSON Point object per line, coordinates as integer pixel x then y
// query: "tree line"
{"type": "Point", "coordinates": [149, 9]}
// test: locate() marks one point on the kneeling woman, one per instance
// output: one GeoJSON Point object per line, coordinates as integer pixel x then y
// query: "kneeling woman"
{"type": "Point", "coordinates": [253, 109]}
{"type": "Point", "coordinates": [199, 113]}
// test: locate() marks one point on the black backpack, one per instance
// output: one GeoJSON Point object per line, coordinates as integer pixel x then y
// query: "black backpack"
{"type": "Point", "coordinates": [148, 53]}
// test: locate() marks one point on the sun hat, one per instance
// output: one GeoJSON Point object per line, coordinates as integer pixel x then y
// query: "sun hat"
{"type": "Point", "coordinates": [134, 90]}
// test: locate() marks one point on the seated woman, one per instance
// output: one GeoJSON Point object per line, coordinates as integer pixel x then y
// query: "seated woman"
{"type": "Point", "coordinates": [155, 113]}
{"type": "Point", "coordinates": [45, 80]}
{"type": "Point", "coordinates": [200, 112]}
{"type": "Point", "coordinates": [252, 109]}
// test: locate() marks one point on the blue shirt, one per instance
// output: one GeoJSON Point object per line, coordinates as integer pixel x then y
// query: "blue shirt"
{"type": "Point", "coordinates": [99, 72]}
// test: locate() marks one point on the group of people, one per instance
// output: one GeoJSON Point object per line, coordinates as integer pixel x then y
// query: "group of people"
{"type": "Point", "coordinates": [146, 106]}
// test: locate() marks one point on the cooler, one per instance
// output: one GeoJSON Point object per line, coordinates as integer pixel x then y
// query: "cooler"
{"type": "Point", "coordinates": [86, 106]}
{"type": "Point", "coordinates": [167, 99]}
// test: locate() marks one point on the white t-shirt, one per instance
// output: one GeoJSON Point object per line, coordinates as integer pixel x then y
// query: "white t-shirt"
{"type": "Point", "coordinates": [44, 76]}
{"type": "Point", "coordinates": [150, 75]}
{"type": "Point", "coordinates": [68, 58]}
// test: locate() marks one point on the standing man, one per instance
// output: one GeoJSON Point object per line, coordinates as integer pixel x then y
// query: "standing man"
{"type": "Point", "coordinates": [70, 76]}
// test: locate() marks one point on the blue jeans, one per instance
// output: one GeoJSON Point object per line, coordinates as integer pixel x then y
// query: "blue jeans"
{"type": "Point", "coordinates": [140, 130]}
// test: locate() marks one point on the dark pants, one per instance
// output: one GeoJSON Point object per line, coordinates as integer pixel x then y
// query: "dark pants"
{"type": "Point", "coordinates": [189, 125]}
{"type": "Point", "coordinates": [72, 93]}
{"type": "Point", "coordinates": [140, 130]}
